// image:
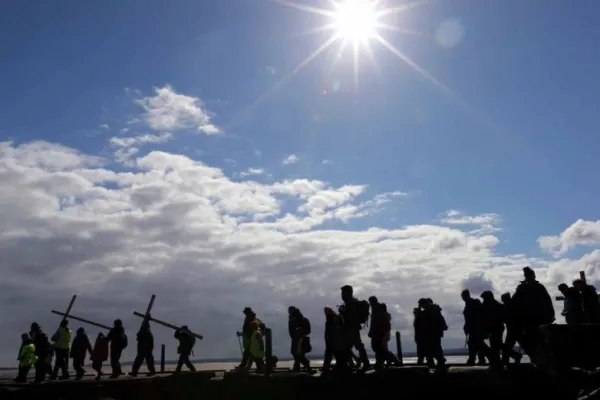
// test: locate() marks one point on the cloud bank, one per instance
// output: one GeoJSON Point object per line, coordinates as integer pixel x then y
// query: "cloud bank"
{"type": "Point", "coordinates": [208, 245]}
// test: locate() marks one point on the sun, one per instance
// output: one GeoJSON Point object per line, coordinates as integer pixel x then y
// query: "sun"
{"type": "Point", "coordinates": [355, 20]}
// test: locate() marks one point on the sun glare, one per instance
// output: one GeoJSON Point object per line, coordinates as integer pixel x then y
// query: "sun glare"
{"type": "Point", "coordinates": [355, 20]}
{"type": "Point", "coordinates": [359, 24]}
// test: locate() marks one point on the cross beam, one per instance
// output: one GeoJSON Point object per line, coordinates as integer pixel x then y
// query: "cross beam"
{"type": "Point", "coordinates": [146, 315]}
{"type": "Point", "coordinates": [85, 321]}
{"type": "Point", "coordinates": [168, 325]}
{"type": "Point", "coordinates": [71, 303]}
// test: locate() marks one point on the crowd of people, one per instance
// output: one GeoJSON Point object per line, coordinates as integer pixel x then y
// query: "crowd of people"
{"type": "Point", "coordinates": [515, 319]}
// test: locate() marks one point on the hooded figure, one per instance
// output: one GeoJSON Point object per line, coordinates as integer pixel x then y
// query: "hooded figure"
{"type": "Point", "coordinates": [434, 325]}
{"type": "Point", "coordinates": [99, 354]}
{"type": "Point", "coordinates": [493, 325]}
{"type": "Point", "coordinates": [185, 348]}
{"type": "Point", "coordinates": [299, 331]}
{"type": "Point", "coordinates": [81, 346]}
{"type": "Point", "coordinates": [118, 342]}
{"type": "Point", "coordinates": [27, 358]}
{"type": "Point", "coordinates": [62, 346]}
{"type": "Point", "coordinates": [145, 349]}
{"type": "Point", "coordinates": [43, 352]}
{"type": "Point", "coordinates": [245, 334]}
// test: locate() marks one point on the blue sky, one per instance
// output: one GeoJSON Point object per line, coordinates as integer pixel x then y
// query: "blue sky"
{"type": "Point", "coordinates": [525, 149]}
{"type": "Point", "coordinates": [514, 133]}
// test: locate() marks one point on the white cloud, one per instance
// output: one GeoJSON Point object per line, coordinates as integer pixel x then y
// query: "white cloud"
{"type": "Point", "coordinates": [168, 110]}
{"type": "Point", "coordinates": [487, 222]}
{"type": "Point", "coordinates": [291, 159]}
{"type": "Point", "coordinates": [140, 139]}
{"type": "Point", "coordinates": [252, 172]}
{"type": "Point", "coordinates": [327, 162]}
{"type": "Point", "coordinates": [209, 246]}
{"type": "Point", "coordinates": [580, 233]}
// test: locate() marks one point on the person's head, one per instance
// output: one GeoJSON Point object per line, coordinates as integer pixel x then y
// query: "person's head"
{"type": "Point", "coordinates": [373, 301]}
{"type": "Point", "coordinates": [118, 323]}
{"type": "Point", "coordinates": [563, 288]}
{"type": "Point", "coordinates": [579, 284]}
{"type": "Point", "coordinates": [248, 311]}
{"type": "Point", "coordinates": [416, 310]}
{"type": "Point", "coordinates": [25, 337]}
{"type": "Point", "coordinates": [64, 323]}
{"type": "Point", "coordinates": [80, 331]}
{"type": "Point", "coordinates": [293, 311]}
{"type": "Point", "coordinates": [347, 292]}
{"type": "Point", "coordinates": [35, 328]}
{"type": "Point", "coordinates": [422, 303]}
{"type": "Point", "coordinates": [465, 295]}
{"type": "Point", "coordinates": [100, 336]}
{"type": "Point", "coordinates": [505, 297]}
{"type": "Point", "coordinates": [529, 274]}
{"type": "Point", "coordinates": [383, 307]}
{"type": "Point", "coordinates": [487, 296]}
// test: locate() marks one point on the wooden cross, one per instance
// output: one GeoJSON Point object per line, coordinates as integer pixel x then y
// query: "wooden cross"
{"type": "Point", "coordinates": [85, 321]}
{"type": "Point", "coordinates": [67, 313]}
{"type": "Point", "coordinates": [147, 318]}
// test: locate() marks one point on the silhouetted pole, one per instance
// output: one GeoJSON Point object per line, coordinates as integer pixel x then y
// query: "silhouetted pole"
{"type": "Point", "coordinates": [268, 351]}
{"type": "Point", "coordinates": [162, 358]}
{"type": "Point", "coordinates": [399, 348]}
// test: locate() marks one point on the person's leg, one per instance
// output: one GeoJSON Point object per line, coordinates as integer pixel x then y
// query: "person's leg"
{"type": "Point", "coordinates": [137, 363]}
{"type": "Point", "coordinates": [150, 363]}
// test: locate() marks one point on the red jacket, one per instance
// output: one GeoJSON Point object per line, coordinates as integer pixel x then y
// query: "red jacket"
{"type": "Point", "coordinates": [100, 352]}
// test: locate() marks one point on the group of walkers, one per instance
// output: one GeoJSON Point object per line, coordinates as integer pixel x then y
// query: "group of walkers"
{"type": "Point", "coordinates": [37, 351]}
{"type": "Point", "coordinates": [519, 315]}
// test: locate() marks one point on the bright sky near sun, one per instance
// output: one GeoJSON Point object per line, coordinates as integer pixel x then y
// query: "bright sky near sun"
{"type": "Point", "coordinates": [263, 153]}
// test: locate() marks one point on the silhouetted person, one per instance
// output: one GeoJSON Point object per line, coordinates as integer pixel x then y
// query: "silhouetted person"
{"type": "Point", "coordinates": [535, 308]}
{"type": "Point", "coordinates": [513, 331]}
{"type": "Point", "coordinates": [246, 333]}
{"type": "Point", "coordinates": [79, 349]}
{"type": "Point", "coordinates": [299, 331]}
{"type": "Point", "coordinates": [420, 335]}
{"type": "Point", "coordinates": [185, 348]}
{"type": "Point", "coordinates": [62, 345]}
{"type": "Point", "coordinates": [473, 328]}
{"type": "Point", "coordinates": [27, 358]}
{"type": "Point", "coordinates": [376, 332]}
{"type": "Point", "coordinates": [589, 301]}
{"type": "Point", "coordinates": [43, 351]}
{"type": "Point", "coordinates": [145, 350]}
{"type": "Point", "coordinates": [333, 340]}
{"type": "Point", "coordinates": [493, 323]}
{"type": "Point", "coordinates": [386, 320]}
{"type": "Point", "coordinates": [434, 325]}
{"type": "Point", "coordinates": [354, 313]}
{"type": "Point", "coordinates": [118, 342]}
{"type": "Point", "coordinates": [99, 354]}
{"type": "Point", "coordinates": [572, 309]}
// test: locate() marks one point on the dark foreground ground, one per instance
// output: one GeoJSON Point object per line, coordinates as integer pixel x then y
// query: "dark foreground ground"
{"type": "Point", "coordinates": [521, 382]}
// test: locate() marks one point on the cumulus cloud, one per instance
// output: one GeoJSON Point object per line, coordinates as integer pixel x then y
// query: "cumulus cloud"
{"type": "Point", "coordinates": [291, 159]}
{"type": "Point", "coordinates": [580, 233]}
{"type": "Point", "coordinates": [168, 110]}
{"type": "Point", "coordinates": [209, 246]}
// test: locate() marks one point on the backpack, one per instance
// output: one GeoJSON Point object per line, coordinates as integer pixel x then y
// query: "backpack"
{"type": "Point", "coordinates": [125, 341]}
{"type": "Point", "coordinates": [363, 311]}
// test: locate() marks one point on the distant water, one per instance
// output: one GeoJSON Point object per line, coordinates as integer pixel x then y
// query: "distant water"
{"type": "Point", "coordinates": [227, 366]}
